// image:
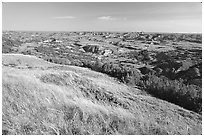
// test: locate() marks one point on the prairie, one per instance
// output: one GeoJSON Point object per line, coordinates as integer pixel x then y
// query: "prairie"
{"type": "Point", "coordinates": [39, 97]}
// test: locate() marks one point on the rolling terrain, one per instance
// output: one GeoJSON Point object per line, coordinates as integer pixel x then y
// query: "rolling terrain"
{"type": "Point", "coordinates": [40, 97]}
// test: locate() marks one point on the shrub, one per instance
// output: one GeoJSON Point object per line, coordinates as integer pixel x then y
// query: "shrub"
{"type": "Point", "coordinates": [133, 54]}
{"type": "Point", "coordinates": [174, 91]}
{"type": "Point", "coordinates": [122, 73]}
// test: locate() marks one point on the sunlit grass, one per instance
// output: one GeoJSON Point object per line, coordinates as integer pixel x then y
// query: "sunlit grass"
{"type": "Point", "coordinates": [79, 101]}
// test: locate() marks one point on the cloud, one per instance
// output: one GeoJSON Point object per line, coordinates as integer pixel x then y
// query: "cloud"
{"type": "Point", "coordinates": [106, 18]}
{"type": "Point", "coordinates": [111, 18]}
{"type": "Point", "coordinates": [64, 17]}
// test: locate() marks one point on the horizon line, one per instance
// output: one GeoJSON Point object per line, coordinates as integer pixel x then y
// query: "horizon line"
{"type": "Point", "coordinates": [97, 31]}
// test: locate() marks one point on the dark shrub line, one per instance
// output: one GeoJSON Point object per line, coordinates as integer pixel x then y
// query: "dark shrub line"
{"type": "Point", "coordinates": [174, 91]}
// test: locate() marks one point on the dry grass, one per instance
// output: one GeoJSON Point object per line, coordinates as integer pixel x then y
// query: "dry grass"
{"type": "Point", "coordinates": [72, 100]}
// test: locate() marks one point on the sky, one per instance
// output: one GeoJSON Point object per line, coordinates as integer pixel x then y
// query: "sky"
{"type": "Point", "coordinates": [103, 16]}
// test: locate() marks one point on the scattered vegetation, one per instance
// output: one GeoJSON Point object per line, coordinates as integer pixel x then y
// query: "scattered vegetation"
{"type": "Point", "coordinates": [174, 91]}
{"type": "Point", "coordinates": [63, 102]}
{"type": "Point", "coordinates": [45, 98]}
{"type": "Point", "coordinates": [9, 46]}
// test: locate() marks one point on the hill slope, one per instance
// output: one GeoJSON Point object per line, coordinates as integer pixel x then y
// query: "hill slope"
{"type": "Point", "coordinates": [44, 98]}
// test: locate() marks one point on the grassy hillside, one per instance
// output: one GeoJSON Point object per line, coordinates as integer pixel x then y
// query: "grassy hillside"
{"type": "Point", "coordinates": [44, 98]}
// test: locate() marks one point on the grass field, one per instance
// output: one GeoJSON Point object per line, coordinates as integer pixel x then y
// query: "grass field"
{"type": "Point", "coordinates": [44, 98]}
